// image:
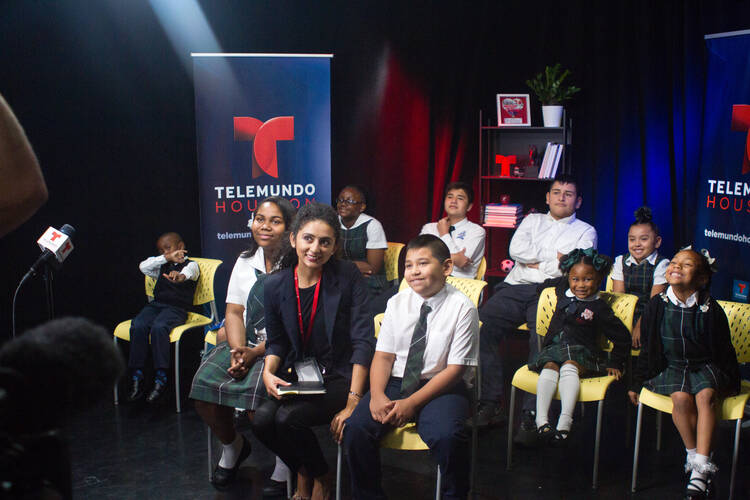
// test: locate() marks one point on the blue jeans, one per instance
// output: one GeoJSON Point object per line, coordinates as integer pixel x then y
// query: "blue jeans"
{"type": "Point", "coordinates": [441, 424]}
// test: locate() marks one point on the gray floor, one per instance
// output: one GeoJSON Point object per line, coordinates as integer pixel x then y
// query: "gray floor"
{"type": "Point", "coordinates": [144, 453]}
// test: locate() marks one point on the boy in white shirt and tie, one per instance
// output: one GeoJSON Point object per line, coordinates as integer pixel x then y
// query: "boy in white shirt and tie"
{"type": "Point", "coordinates": [428, 338]}
{"type": "Point", "coordinates": [536, 248]}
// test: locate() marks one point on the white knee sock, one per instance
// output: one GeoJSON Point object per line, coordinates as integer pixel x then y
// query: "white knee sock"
{"type": "Point", "coordinates": [569, 385]}
{"type": "Point", "coordinates": [545, 391]}
{"type": "Point", "coordinates": [231, 452]}
{"type": "Point", "coordinates": [280, 472]}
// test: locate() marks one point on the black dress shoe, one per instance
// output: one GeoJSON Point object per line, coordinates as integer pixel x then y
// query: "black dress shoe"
{"type": "Point", "coordinates": [136, 390]}
{"type": "Point", "coordinates": [274, 489]}
{"type": "Point", "coordinates": [222, 477]}
{"type": "Point", "coordinates": [156, 392]}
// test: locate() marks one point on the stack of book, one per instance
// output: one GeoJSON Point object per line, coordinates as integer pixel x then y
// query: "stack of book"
{"type": "Point", "coordinates": [551, 160]}
{"type": "Point", "coordinates": [498, 215]}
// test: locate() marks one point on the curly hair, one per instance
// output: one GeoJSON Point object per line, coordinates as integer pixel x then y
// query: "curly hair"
{"type": "Point", "coordinates": [308, 213]}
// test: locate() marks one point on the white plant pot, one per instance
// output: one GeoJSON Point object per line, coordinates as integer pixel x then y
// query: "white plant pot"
{"type": "Point", "coordinates": [552, 116]}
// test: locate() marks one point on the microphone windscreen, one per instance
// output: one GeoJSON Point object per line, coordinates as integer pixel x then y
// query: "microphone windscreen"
{"type": "Point", "coordinates": [69, 230]}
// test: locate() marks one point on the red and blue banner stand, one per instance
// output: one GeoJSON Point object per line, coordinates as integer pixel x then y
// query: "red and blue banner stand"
{"type": "Point", "coordinates": [263, 128]}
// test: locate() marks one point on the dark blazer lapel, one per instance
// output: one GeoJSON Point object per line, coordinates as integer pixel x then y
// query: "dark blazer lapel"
{"type": "Point", "coordinates": [289, 316]}
{"type": "Point", "coordinates": [331, 299]}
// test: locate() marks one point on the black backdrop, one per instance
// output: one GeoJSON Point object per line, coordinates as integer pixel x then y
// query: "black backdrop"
{"type": "Point", "coordinates": [107, 102]}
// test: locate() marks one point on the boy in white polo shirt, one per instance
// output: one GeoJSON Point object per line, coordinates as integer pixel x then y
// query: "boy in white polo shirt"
{"type": "Point", "coordinates": [465, 239]}
{"type": "Point", "coordinates": [428, 338]}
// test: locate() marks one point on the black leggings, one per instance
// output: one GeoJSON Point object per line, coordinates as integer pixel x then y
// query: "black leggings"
{"type": "Point", "coordinates": [284, 426]}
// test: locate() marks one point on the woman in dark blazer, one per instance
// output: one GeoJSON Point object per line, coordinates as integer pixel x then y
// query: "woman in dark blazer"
{"type": "Point", "coordinates": [315, 309]}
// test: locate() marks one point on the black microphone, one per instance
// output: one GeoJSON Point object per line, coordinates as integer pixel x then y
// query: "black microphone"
{"type": "Point", "coordinates": [56, 246]}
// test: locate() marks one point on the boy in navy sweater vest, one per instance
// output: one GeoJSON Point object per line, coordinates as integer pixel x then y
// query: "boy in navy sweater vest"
{"type": "Point", "coordinates": [176, 278]}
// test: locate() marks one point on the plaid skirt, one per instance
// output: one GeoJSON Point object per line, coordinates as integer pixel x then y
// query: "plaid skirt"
{"type": "Point", "coordinates": [691, 380]}
{"type": "Point", "coordinates": [559, 353]}
{"type": "Point", "coordinates": [213, 384]}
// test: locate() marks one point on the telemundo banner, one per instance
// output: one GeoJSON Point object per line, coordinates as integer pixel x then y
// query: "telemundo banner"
{"type": "Point", "coordinates": [263, 129]}
{"type": "Point", "coordinates": [723, 221]}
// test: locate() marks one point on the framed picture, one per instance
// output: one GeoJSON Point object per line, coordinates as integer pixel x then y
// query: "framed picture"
{"type": "Point", "coordinates": [513, 110]}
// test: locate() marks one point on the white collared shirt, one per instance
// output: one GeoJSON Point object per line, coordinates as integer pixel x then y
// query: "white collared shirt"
{"type": "Point", "coordinates": [465, 235]}
{"type": "Point", "coordinates": [569, 293]}
{"type": "Point", "coordinates": [690, 302]}
{"type": "Point", "coordinates": [538, 239]}
{"type": "Point", "coordinates": [243, 277]}
{"type": "Point", "coordinates": [375, 233]}
{"type": "Point", "coordinates": [152, 265]}
{"type": "Point", "coordinates": [660, 271]}
{"type": "Point", "coordinates": [452, 330]}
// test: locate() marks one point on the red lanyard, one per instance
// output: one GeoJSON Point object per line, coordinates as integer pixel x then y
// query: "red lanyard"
{"type": "Point", "coordinates": [306, 335]}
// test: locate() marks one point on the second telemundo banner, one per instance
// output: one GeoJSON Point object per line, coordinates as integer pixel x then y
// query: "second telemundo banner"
{"type": "Point", "coordinates": [263, 129]}
{"type": "Point", "coordinates": [723, 221]}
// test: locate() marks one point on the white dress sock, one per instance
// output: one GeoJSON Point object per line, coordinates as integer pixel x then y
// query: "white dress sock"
{"type": "Point", "coordinates": [701, 468]}
{"type": "Point", "coordinates": [570, 385]}
{"type": "Point", "coordinates": [689, 458]}
{"type": "Point", "coordinates": [280, 472]}
{"type": "Point", "coordinates": [546, 386]}
{"type": "Point", "coordinates": [231, 452]}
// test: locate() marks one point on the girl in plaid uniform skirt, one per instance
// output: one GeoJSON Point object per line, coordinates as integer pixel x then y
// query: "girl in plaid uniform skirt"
{"type": "Point", "coordinates": [229, 374]}
{"type": "Point", "coordinates": [687, 354]}
{"type": "Point", "coordinates": [571, 345]}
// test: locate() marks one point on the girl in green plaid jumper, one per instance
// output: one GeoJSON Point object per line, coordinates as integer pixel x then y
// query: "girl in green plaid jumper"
{"type": "Point", "coordinates": [687, 354]}
{"type": "Point", "coordinates": [229, 374]}
{"type": "Point", "coordinates": [571, 349]}
{"type": "Point", "coordinates": [641, 271]}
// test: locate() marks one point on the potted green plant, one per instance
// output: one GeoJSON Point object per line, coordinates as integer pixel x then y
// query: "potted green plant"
{"type": "Point", "coordinates": [549, 87]}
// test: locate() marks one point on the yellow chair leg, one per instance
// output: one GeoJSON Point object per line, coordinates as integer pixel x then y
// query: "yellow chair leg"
{"type": "Point", "coordinates": [338, 473]}
{"type": "Point", "coordinates": [737, 430]}
{"type": "Point", "coordinates": [658, 430]}
{"type": "Point", "coordinates": [177, 375]}
{"type": "Point", "coordinates": [637, 447]}
{"type": "Point", "coordinates": [117, 382]}
{"type": "Point", "coordinates": [511, 412]}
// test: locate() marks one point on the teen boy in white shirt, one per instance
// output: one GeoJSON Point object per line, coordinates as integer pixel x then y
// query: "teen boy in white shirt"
{"type": "Point", "coordinates": [464, 239]}
{"type": "Point", "coordinates": [536, 248]}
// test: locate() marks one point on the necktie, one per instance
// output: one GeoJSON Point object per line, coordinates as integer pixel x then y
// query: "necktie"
{"type": "Point", "coordinates": [451, 229]}
{"type": "Point", "coordinates": [415, 358]}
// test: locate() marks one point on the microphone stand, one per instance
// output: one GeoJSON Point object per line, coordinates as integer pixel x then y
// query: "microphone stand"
{"type": "Point", "coordinates": [47, 276]}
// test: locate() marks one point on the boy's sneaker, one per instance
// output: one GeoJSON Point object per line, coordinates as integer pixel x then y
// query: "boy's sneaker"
{"type": "Point", "coordinates": [489, 413]}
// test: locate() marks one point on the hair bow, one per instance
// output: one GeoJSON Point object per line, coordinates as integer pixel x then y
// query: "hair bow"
{"type": "Point", "coordinates": [712, 265]}
{"type": "Point", "coordinates": [598, 260]}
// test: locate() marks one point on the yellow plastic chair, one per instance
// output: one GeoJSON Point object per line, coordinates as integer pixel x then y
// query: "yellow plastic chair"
{"type": "Point", "coordinates": [482, 269]}
{"type": "Point", "coordinates": [204, 294]}
{"type": "Point", "coordinates": [407, 437]}
{"type": "Point", "coordinates": [592, 389]}
{"type": "Point", "coordinates": [392, 254]}
{"type": "Point", "coordinates": [470, 287]}
{"type": "Point", "coordinates": [731, 408]}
